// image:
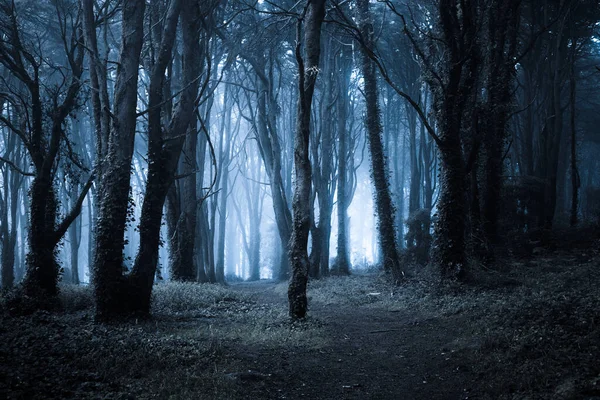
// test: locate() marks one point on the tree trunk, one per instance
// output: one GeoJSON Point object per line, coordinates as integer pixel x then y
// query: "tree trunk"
{"type": "Point", "coordinates": [414, 202]}
{"type": "Point", "coordinates": [41, 281]}
{"type": "Point", "coordinates": [164, 150]}
{"type": "Point", "coordinates": [503, 23]}
{"type": "Point", "coordinates": [455, 102]}
{"type": "Point", "coordinates": [8, 254]}
{"type": "Point", "coordinates": [450, 227]}
{"type": "Point", "coordinates": [74, 242]}
{"type": "Point", "coordinates": [114, 185]}
{"type": "Point", "coordinates": [220, 266]}
{"type": "Point", "coordinates": [298, 254]}
{"type": "Point", "coordinates": [343, 258]}
{"type": "Point", "coordinates": [383, 202]}
{"type": "Point", "coordinates": [12, 185]}
{"type": "Point", "coordinates": [575, 181]}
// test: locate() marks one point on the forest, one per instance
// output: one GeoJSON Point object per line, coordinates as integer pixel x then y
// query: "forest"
{"type": "Point", "coordinates": [324, 199]}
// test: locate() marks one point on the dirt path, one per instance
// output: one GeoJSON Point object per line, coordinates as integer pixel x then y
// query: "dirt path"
{"type": "Point", "coordinates": [370, 354]}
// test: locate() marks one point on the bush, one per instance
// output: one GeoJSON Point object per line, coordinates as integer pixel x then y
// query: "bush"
{"type": "Point", "coordinates": [177, 297]}
{"type": "Point", "coordinates": [76, 297]}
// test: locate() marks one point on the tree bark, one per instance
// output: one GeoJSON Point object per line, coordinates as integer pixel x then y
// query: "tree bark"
{"type": "Point", "coordinates": [454, 101]}
{"type": "Point", "coordinates": [503, 23]}
{"type": "Point", "coordinates": [164, 149]}
{"type": "Point", "coordinates": [114, 186]}
{"type": "Point", "coordinates": [575, 181]}
{"type": "Point", "coordinates": [383, 202]}
{"type": "Point", "coordinates": [343, 258]}
{"type": "Point", "coordinates": [308, 71]}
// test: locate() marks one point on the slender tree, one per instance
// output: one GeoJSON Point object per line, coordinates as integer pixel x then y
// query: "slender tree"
{"type": "Point", "coordinates": [308, 67]}
{"type": "Point", "coordinates": [379, 173]}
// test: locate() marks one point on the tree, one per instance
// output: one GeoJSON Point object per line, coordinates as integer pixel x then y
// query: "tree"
{"type": "Point", "coordinates": [379, 173]}
{"type": "Point", "coordinates": [115, 164]}
{"type": "Point", "coordinates": [502, 19]}
{"type": "Point", "coordinates": [262, 60]}
{"type": "Point", "coordinates": [164, 143]}
{"type": "Point", "coordinates": [343, 188]}
{"type": "Point", "coordinates": [48, 102]}
{"type": "Point", "coordinates": [308, 68]}
{"type": "Point", "coordinates": [13, 178]}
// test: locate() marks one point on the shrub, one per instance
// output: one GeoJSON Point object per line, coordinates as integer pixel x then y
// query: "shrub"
{"type": "Point", "coordinates": [176, 297]}
{"type": "Point", "coordinates": [76, 297]}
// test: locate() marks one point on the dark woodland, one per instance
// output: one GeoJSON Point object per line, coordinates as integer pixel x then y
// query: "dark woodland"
{"type": "Point", "coordinates": [285, 199]}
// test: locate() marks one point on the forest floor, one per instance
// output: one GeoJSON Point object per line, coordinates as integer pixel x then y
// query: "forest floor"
{"type": "Point", "coordinates": [527, 330]}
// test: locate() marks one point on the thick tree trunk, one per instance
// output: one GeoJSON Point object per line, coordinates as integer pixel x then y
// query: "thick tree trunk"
{"type": "Point", "coordinates": [315, 249]}
{"type": "Point", "coordinates": [8, 248]}
{"type": "Point", "coordinates": [9, 233]}
{"type": "Point", "coordinates": [383, 202]}
{"type": "Point", "coordinates": [114, 185]}
{"type": "Point", "coordinates": [455, 101]}
{"type": "Point", "coordinates": [182, 215]}
{"type": "Point", "coordinates": [91, 237]}
{"type": "Point", "coordinates": [298, 253]}
{"type": "Point", "coordinates": [450, 228]}
{"type": "Point", "coordinates": [164, 150]}
{"type": "Point", "coordinates": [503, 23]}
{"type": "Point", "coordinates": [8, 262]}
{"type": "Point", "coordinates": [42, 268]}
{"type": "Point", "coordinates": [189, 206]}
{"type": "Point", "coordinates": [325, 221]}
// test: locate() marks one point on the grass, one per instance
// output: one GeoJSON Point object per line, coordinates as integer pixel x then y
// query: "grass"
{"type": "Point", "coordinates": [184, 350]}
{"type": "Point", "coordinates": [532, 331]}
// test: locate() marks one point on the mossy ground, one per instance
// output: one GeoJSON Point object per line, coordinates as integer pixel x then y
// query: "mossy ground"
{"type": "Point", "coordinates": [529, 329]}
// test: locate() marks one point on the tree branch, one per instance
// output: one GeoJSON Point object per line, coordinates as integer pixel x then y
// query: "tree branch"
{"type": "Point", "coordinates": [15, 167]}
{"type": "Point", "coordinates": [74, 213]}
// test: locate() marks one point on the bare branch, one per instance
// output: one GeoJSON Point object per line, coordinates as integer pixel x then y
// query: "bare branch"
{"type": "Point", "coordinates": [15, 167]}
{"type": "Point", "coordinates": [74, 213]}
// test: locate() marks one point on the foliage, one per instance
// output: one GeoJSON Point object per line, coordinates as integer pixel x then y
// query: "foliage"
{"type": "Point", "coordinates": [529, 332]}
{"type": "Point", "coordinates": [418, 238]}
{"type": "Point", "coordinates": [178, 297]}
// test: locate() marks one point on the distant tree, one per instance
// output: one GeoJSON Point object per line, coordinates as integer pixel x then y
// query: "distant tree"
{"type": "Point", "coordinates": [12, 180]}
{"type": "Point", "coordinates": [343, 73]}
{"type": "Point", "coordinates": [261, 52]}
{"type": "Point", "coordinates": [383, 202]}
{"type": "Point", "coordinates": [323, 159]}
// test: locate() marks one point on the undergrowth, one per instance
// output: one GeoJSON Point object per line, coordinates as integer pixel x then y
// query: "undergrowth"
{"type": "Point", "coordinates": [530, 331]}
